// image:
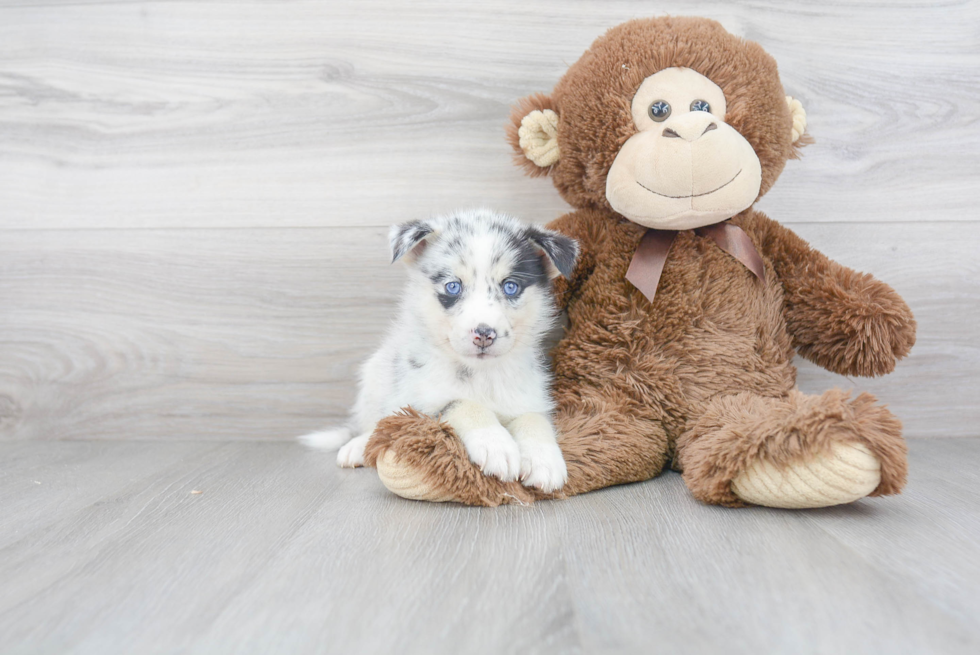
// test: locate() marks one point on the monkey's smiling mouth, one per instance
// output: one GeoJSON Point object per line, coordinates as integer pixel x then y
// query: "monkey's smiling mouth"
{"type": "Point", "coordinates": [696, 195]}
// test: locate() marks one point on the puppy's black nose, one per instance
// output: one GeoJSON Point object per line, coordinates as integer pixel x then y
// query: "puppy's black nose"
{"type": "Point", "coordinates": [484, 335]}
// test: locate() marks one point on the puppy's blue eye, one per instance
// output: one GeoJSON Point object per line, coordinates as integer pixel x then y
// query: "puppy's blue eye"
{"type": "Point", "coordinates": [453, 288]}
{"type": "Point", "coordinates": [700, 105]}
{"type": "Point", "coordinates": [511, 288]}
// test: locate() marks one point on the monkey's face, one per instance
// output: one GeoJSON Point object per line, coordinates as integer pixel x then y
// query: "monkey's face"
{"type": "Point", "coordinates": [685, 167]}
{"type": "Point", "coordinates": [671, 122]}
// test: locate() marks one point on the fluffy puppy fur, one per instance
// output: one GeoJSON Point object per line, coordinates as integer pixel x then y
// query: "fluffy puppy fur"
{"type": "Point", "coordinates": [467, 345]}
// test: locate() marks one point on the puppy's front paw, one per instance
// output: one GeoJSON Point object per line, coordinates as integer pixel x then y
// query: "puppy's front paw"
{"type": "Point", "coordinates": [351, 455]}
{"type": "Point", "coordinates": [542, 466]}
{"type": "Point", "coordinates": [494, 451]}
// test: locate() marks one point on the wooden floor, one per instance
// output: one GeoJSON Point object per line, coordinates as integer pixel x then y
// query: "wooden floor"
{"type": "Point", "coordinates": [106, 548]}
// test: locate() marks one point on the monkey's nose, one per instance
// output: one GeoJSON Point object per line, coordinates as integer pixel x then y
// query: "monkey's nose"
{"type": "Point", "coordinates": [484, 335]}
{"type": "Point", "coordinates": [689, 130]}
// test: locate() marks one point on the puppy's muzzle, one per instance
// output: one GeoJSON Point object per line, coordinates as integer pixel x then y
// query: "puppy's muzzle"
{"type": "Point", "coordinates": [484, 335]}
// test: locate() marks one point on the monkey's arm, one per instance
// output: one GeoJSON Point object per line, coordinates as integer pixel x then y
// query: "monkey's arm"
{"type": "Point", "coordinates": [580, 225]}
{"type": "Point", "coordinates": [847, 322]}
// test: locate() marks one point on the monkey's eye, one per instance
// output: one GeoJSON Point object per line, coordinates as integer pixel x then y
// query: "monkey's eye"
{"type": "Point", "coordinates": [453, 288]}
{"type": "Point", "coordinates": [511, 288]}
{"type": "Point", "coordinates": [700, 105]}
{"type": "Point", "coordinates": [659, 111]}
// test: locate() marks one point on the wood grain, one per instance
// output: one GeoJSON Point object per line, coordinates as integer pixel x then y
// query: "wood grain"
{"type": "Point", "coordinates": [258, 333]}
{"type": "Point", "coordinates": [193, 196]}
{"type": "Point", "coordinates": [284, 552]}
{"type": "Point", "coordinates": [933, 391]}
{"type": "Point", "coordinates": [692, 578]}
{"type": "Point", "coordinates": [214, 114]}
{"type": "Point", "coordinates": [45, 485]}
{"type": "Point", "coordinates": [187, 334]}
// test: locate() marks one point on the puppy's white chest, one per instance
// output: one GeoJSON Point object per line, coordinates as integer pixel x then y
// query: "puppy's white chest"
{"type": "Point", "coordinates": [505, 390]}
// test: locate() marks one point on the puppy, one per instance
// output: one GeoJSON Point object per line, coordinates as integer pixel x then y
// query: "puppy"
{"type": "Point", "coordinates": [468, 344]}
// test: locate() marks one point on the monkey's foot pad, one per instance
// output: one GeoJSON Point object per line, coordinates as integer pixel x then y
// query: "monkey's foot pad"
{"type": "Point", "coordinates": [845, 474]}
{"type": "Point", "coordinates": [408, 482]}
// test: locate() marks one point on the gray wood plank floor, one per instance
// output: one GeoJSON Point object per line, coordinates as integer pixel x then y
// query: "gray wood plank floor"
{"type": "Point", "coordinates": [105, 549]}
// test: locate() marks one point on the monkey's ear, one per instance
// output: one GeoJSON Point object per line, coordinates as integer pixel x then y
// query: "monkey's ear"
{"type": "Point", "coordinates": [799, 136]}
{"type": "Point", "coordinates": [560, 251]}
{"type": "Point", "coordinates": [533, 134]}
{"type": "Point", "coordinates": [409, 239]}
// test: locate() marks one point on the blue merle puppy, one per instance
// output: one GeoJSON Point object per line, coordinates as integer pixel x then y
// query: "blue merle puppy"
{"type": "Point", "coordinates": [468, 344]}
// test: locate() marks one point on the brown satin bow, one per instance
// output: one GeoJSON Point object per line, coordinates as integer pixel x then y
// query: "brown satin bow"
{"type": "Point", "coordinates": [651, 255]}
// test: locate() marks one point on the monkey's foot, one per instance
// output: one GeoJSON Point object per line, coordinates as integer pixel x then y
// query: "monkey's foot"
{"type": "Point", "coordinates": [403, 479]}
{"type": "Point", "coordinates": [845, 474]}
{"type": "Point", "coordinates": [420, 458]}
{"type": "Point", "coordinates": [794, 452]}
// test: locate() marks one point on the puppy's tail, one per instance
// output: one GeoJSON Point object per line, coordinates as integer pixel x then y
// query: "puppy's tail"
{"type": "Point", "coordinates": [327, 439]}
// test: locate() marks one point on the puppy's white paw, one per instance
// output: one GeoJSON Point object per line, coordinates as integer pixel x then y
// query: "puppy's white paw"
{"type": "Point", "coordinates": [351, 455]}
{"type": "Point", "coordinates": [542, 466]}
{"type": "Point", "coordinates": [494, 451]}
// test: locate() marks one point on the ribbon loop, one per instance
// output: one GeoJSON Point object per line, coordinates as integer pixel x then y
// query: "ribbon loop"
{"type": "Point", "coordinates": [733, 240]}
{"type": "Point", "coordinates": [650, 257]}
{"type": "Point", "coordinates": [648, 261]}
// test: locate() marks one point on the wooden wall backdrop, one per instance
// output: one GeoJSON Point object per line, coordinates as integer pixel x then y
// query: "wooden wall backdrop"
{"type": "Point", "coordinates": [193, 195]}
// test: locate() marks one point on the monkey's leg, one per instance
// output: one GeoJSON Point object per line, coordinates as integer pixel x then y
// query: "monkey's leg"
{"type": "Point", "coordinates": [602, 442]}
{"type": "Point", "coordinates": [792, 452]}
{"type": "Point", "coordinates": [607, 440]}
{"type": "Point", "coordinates": [419, 458]}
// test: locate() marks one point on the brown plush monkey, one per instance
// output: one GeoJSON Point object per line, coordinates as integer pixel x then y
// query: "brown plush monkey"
{"type": "Point", "coordinates": [683, 324]}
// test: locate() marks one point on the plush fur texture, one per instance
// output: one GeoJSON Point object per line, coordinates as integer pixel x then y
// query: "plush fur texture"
{"type": "Point", "coordinates": [738, 429]}
{"type": "Point", "coordinates": [525, 106]}
{"type": "Point", "coordinates": [440, 459]}
{"type": "Point", "coordinates": [702, 377]}
{"type": "Point", "coordinates": [593, 98]}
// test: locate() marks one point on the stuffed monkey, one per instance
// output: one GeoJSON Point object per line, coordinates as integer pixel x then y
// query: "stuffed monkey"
{"type": "Point", "coordinates": [687, 304]}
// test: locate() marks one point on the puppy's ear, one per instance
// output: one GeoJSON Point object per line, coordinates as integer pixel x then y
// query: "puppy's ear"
{"type": "Point", "coordinates": [409, 239]}
{"type": "Point", "coordinates": [560, 252]}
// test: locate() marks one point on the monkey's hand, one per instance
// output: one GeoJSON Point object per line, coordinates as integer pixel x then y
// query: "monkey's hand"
{"type": "Point", "coordinates": [849, 322]}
